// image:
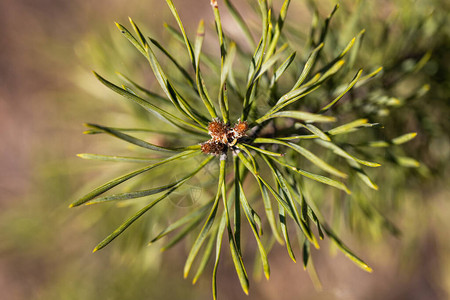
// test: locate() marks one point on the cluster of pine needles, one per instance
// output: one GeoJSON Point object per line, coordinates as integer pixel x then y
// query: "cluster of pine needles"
{"type": "Point", "coordinates": [263, 135]}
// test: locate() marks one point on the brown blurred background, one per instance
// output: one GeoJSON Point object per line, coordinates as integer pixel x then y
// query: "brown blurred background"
{"type": "Point", "coordinates": [46, 92]}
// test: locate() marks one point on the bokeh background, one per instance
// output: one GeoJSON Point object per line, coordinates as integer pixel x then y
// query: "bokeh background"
{"type": "Point", "coordinates": [47, 49]}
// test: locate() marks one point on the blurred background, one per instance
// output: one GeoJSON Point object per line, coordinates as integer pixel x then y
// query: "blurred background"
{"type": "Point", "coordinates": [47, 92]}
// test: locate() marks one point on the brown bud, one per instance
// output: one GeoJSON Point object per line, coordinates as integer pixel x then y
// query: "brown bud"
{"type": "Point", "coordinates": [218, 130]}
{"type": "Point", "coordinates": [212, 147]}
{"type": "Point", "coordinates": [240, 128]}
